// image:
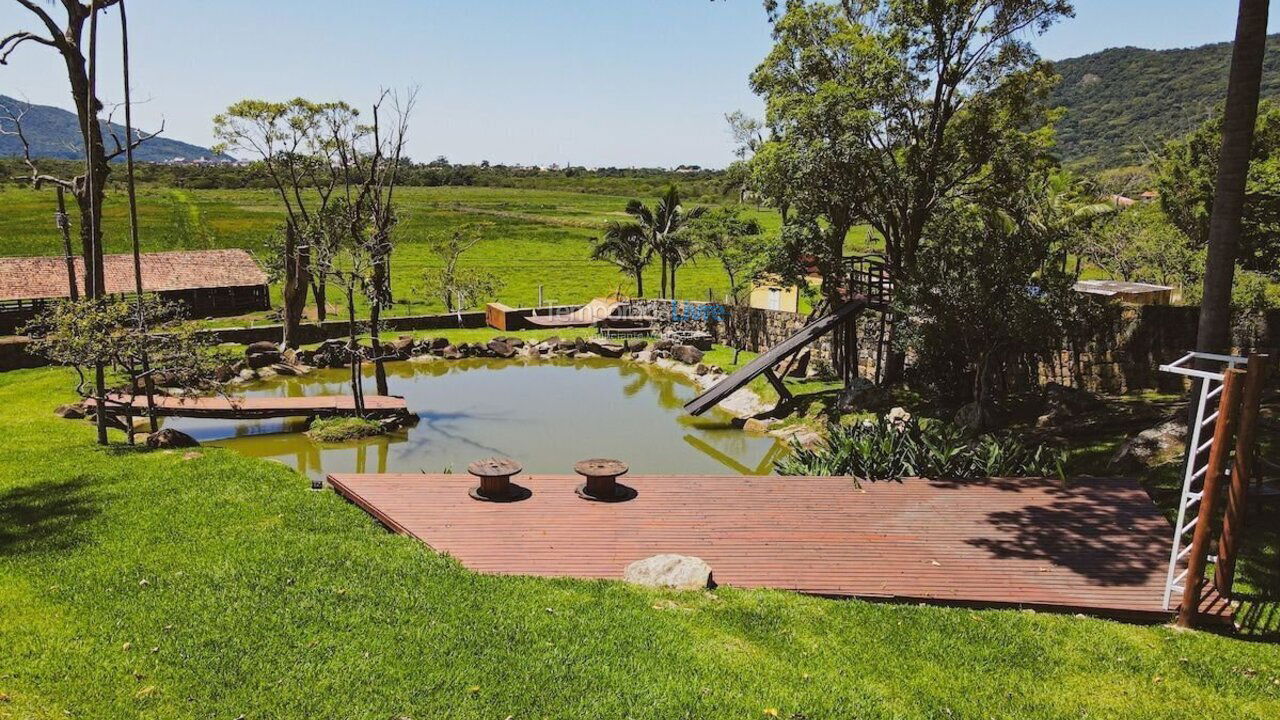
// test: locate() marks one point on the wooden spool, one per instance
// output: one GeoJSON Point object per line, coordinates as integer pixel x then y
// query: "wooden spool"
{"type": "Point", "coordinates": [495, 480]}
{"type": "Point", "coordinates": [602, 480]}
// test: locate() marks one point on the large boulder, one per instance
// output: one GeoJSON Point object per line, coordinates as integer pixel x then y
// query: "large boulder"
{"type": "Point", "coordinates": [973, 416]}
{"type": "Point", "coordinates": [501, 348]}
{"type": "Point", "coordinates": [679, 572]}
{"type": "Point", "coordinates": [262, 346]}
{"type": "Point", "coordinates": [449, 352]}
{"type": "Point", "coordinates": [170, 438]}
{"type": "Point", "coordinates": [400, 347]}
{"type": "Point", "coordinates": [1062, 403]}
{"type": "Point", "coordinates": [1161, 444]}
{"type": "Point", "coordinates": [262, 359]}
{"type": "Point", "coordinates": [636, 345]}
{"type": "Point", "coordinates": [687, 354]}
{"type": "Point", "coordinates": [663, 344]}
{"type": "Point", "coordinates": [286, 369]}
{"type": "Point", "coordinates": [607, 349]}
{"type": "Point", "coordinates": [70, 412]}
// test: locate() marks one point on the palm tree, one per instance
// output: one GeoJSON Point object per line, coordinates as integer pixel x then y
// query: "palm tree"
{"type": "Point", "coordinates": [1238, 121]}
{"type": "Point", "coordinates": [627, 246]}
{"type": "Point", "coordinates": [661, 225]}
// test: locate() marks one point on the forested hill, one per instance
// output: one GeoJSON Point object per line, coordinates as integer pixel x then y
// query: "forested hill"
{"type": "Point", "coordinates": [54, 132]}
{"type": "Point", "coordinates": [1125, 101]}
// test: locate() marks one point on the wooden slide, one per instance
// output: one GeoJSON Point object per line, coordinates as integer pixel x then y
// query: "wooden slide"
{"type": "Point", "coordinates": [776, 354]}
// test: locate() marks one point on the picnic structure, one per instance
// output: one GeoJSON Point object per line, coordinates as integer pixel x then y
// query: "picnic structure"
{"type": "Point", "coordinates": [207, 283]}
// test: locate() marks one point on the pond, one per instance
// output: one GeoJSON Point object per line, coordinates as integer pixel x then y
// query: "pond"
{"type": "Point", "coordinates": [545, 413]}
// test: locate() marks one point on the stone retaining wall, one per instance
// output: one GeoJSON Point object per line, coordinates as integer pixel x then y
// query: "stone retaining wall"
{"type": "Point", "coordinates": [1120, 353]}
{"type": "Point", "coordinates": [14, 355]}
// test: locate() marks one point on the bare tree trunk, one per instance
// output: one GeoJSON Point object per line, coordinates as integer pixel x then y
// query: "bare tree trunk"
{"type": "Point", "coordinates": [664, 277]}
{"type": "Point", "coordinates": [353, 347]}
{"type": "Point", "coordinates": [320, 292]}
{"type": "Point", "coordinates": [95, 174]}
{"type": "Point", "coordinates": [148, 381]}
{"type": "Point", "coordinates": [640, 282]}
{"type": "Point", "coordinates": [381, 281]}
{"type": "Point", "coordinates": [1238, 122]}
{"type": "Point", "coordinates": [64, 226]}
{"type": "Point", "coordinates": [296, 283]}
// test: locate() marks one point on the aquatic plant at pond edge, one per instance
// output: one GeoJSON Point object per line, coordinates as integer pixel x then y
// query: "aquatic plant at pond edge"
{"type": "Point", "coordinates": [343, 429]}
{"type": "Point", "coordinates": [900, 446]}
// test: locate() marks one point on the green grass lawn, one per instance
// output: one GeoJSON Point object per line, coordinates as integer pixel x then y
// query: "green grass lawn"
{"type": "Point", "coordinates": [157, 585]}
{"type": "Point", "coordinates": [534, 238]}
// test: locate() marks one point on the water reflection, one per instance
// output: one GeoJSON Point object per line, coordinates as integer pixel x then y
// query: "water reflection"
{"type": "Point", "coordinates": [547, 413]}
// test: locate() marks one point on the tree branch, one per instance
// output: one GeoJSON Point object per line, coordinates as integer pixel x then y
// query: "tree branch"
{"type": "Point", "coordinates": [36, 178]}
{"type": "Point", "coordinates": [142, 137]}
{"type": "Point", "coordinates": [11, 43]}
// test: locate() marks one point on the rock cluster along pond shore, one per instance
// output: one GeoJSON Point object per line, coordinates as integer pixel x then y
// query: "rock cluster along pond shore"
{"type": "Point", "coordinates": [265, 360]}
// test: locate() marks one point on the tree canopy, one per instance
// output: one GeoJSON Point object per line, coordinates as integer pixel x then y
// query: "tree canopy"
{"type": "Point", "coordinates": [1187, 169]}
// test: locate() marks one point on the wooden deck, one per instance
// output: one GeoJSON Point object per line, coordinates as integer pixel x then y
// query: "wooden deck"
{"type": "Point", "coordinates": [254, 408]}
{"type": "Point", "coordinates": [1098, 547]}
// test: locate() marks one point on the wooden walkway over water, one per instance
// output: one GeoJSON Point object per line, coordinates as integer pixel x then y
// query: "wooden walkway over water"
{"type": "Point", "coordinates": [255, 408]}
{"type": "Point", "coordinates": [1099, 547]}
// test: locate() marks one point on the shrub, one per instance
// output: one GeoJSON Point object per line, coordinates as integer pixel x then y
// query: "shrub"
{"type": "Point", "coordinates": [343, 429]}
{"type": "Point", "coordinates": [902, 446]}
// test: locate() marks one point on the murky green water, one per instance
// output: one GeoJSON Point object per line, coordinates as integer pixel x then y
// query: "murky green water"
{"type": "Point", "coordinates": [547, 414]}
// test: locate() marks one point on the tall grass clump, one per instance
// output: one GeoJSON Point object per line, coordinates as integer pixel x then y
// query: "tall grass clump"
{"type": "Point", "coordinates": [899, 445]}
{"type": "Point", "coordinates": [343, 429]}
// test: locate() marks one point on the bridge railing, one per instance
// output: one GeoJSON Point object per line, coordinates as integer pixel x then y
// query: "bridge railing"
{"type": "Point", "coordinates": [869, 276]}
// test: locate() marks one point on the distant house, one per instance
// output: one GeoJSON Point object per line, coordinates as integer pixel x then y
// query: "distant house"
{"type": "Point", "coordinates": [1149, 196]}
{"type": "Point", "coordinates": [1133, 293]}
{"type": "Point", "coordinates": [208, 283]}
{"type": "Point", "coordinates": [1121, 201]}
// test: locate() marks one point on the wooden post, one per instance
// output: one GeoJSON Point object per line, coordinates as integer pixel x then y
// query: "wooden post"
{"type": "Point", "coordinates": [1242, 473]}
{"type": "Point", "coordinates": [1219, 453]}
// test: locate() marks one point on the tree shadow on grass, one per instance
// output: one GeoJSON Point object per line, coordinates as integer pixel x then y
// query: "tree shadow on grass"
{"type": "Point", "coordinates": [45, 517]}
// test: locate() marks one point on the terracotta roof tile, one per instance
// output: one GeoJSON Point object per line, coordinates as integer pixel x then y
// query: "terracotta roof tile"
{"type": "Point", "coordinates": [31, 278]}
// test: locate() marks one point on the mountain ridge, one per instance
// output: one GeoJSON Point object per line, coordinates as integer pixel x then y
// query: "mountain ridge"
{"type": "Point", "coordinates": [55, 133]}
{"type": "Point", "coordinates": [1124, 103]}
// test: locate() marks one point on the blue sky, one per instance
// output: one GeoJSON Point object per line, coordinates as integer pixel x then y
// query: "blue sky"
{"type": "Point", "coordinates": [592, 82]}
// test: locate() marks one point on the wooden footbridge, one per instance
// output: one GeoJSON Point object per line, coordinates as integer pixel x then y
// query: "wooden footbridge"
{"type": "Point", "coordinates": [255, 408]}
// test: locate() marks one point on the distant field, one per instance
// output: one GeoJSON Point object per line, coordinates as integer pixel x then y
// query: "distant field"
{"type": "Point", "coordinates": [534, 237]}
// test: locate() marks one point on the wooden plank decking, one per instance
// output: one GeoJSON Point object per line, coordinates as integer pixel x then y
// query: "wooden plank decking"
{"type": "Point", "coordinates": [256, 407]}
{"type": "Point", "coordinates": [1099, 547]}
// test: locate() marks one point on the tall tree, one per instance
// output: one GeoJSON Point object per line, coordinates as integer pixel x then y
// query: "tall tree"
{"type": "Point", "coordinates": [661, 225]}
{"type": "Point", "coordinates": [368, 170]}
{"type": "Point", "coordinates": [1187, 178]}
{"type": "Point", "coordinates": [88, 188]}
{"type": "Point", "coordinates": [291, 141]}
{"type": "Point", "coordinates": [625, 245]}
{"type": "Point", "coordinates": [883, 111]}
{"type": "Point", "coordinates": [1238, 120]}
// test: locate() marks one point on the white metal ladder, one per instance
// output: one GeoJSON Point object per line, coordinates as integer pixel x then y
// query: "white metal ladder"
{"type": "Point", "coordinates": [1188, 504]}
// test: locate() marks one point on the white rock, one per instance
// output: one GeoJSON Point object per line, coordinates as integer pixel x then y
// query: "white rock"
{"type": "Point", "coordinates": [680, 572]}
